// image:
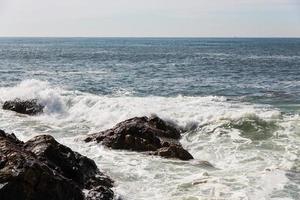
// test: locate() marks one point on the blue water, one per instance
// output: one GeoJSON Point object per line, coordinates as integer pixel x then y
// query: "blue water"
{"type": "Point", "coordinates": [256, 70]}
{"type": "Point", "coordinates": [238, 101]}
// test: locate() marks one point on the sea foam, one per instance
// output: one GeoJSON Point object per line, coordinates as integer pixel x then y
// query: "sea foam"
{"type": "Point", "coordinates": [216, 129]}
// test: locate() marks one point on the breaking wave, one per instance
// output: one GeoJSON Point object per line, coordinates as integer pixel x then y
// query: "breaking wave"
{"type": "Point", "coordinates": [241, 139]}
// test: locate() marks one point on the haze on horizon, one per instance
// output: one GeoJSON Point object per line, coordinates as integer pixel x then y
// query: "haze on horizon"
{"type": "Point", "coordinates": [155, 18]}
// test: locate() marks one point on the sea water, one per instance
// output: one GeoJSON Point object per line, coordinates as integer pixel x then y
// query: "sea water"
{"type": "Point", "coordinates": [238, 101]}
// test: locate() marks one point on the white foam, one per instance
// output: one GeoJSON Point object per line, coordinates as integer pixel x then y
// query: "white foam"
{"type": "Point", "coordinates": [49, 96]}
{"type": "Point", "coordinates": [103, 111]}
{"type": "Point", "coordinates": [71, 114]}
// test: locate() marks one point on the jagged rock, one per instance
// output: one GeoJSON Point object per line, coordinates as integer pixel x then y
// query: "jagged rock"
{"type": "Point", "coordinates": [23, 176]}
{"type": "Point", "coordinates": [29, 107]}
{"type": "Point", "coordinates": [100, 193]}
{"type": "Point", "coordinates": [42, 168]}
{"type": "Point", "coordinates": [70, 164]}
{"type": "Point", "coordinates": [152, 135]}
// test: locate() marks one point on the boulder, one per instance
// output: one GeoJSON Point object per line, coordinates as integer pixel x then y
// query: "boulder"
{"type": "Point", "coordinates": [82, 170]}
{"type": "Point", "coordinates": [152, 135]}
{"type": "Point", "coordinates": [29, 107]}
{"type": "Point", "coordinates": [42, 168]}
{"type": "Point", "coordinates": [174, 151]}
{"type": "Point", "coordinates": [23, 176]}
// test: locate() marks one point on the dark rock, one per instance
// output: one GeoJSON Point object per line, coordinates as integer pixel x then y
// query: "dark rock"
{"type": "Point", "coordinates": [100, 193]}
{"type": "Point", "coordinates": [23, 176]}
{"type": "Point", "coordinates": [42, 168]}
{"type": "Point", "coordinates": [70, 164]}
{"type": "Point", "coordinates": [152, 135]}
{"type": "Point", "coordinates": [29, 107]}
{"type": "Point", "coordinates": [174, 151]}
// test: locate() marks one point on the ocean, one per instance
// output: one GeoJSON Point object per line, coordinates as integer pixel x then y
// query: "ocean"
{"type": "Point", "coordinates": [237, 98]}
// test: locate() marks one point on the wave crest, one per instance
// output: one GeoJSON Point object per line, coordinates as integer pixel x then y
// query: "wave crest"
{"type": "Point", "coordinates": [253, 127]}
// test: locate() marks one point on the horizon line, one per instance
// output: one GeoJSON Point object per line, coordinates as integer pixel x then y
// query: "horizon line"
{"type": "Point", "coordinates": [158, 37]}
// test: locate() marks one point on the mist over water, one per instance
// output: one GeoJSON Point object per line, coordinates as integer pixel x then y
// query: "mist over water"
{"type": "Point", "coordinates": [237, 100]}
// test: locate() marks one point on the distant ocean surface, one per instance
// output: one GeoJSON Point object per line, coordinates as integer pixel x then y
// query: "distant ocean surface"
{"type": "Point", "coordinates": [238, 99]}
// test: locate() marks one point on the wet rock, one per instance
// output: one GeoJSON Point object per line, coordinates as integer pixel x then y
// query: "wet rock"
{"type": "Point", "coordinates": [174, 151]}
{"type": "Point", "coordinates": [23, 176]}
{"type": "Point", "coordinates": [42, 168]}
{"type": "Point", "coordinates": [82, 170]}
{"type": "Point", "coordinates": [100, 193]}
{"type": "Point", "coordinates": [144, 134]}
{"type": "Point", "coordinates": [29, 107]}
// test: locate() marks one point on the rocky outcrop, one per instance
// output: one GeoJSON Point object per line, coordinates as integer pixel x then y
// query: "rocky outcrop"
{"type": "Point", "coordinates": [44, 169]}
{"type": "Point", "coordinates": [29, 107]}
{"type": "Point", "coordinates": [152, 135]}
{"type": "Point", "coordinates": [82, 170]}
{"type": "Point", "coordinates": [23, 176]}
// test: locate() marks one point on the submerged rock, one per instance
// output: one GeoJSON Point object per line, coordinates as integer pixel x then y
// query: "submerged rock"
{"type": "Point", "coordinates": [29, 107]}
{"type": "Point", "coordinates": [44, 169]}
{"type": "Point", "coordinates": [144, 134]}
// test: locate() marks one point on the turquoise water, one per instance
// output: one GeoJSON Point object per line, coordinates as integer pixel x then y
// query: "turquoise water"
{"type": "Point", "coordinates": [237, 99]}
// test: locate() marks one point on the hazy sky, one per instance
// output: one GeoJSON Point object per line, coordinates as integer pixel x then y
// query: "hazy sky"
{"type": "Point", "coordinates": [233, 18]}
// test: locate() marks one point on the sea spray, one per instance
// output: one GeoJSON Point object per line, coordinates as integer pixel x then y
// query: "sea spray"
{"type": "Point", "coordinates": [216, 129]}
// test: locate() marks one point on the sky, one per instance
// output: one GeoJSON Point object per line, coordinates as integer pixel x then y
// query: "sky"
{"type": "Point", "coordinates": [150, 18]}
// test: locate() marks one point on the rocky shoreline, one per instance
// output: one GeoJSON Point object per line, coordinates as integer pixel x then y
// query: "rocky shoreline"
{"type": "Point", "coordinates": [42, 168]}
